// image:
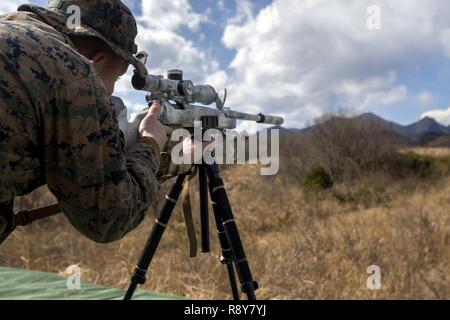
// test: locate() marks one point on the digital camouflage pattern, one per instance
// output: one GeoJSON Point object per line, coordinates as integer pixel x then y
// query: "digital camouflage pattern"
{"type": "Point", "coordinates": [108, 20]}
{"type": "Point", "coordinates": [167, 169]}
{"type": "Point", "coordinates": [57, 128]}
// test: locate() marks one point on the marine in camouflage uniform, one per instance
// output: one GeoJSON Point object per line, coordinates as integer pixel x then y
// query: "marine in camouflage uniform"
{"type": "Point", "coordinates": [57, 126]}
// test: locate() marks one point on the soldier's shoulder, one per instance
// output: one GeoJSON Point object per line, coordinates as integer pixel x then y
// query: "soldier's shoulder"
{"type": "Point", "coordinates": [41, 56]}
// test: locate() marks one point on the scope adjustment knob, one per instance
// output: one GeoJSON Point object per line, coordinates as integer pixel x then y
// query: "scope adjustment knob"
{"type": "Point", "coordinates": [187, 87]}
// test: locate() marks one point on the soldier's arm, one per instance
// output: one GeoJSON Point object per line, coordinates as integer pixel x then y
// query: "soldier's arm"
{"type": "Point", "coordinates": [102, 189]}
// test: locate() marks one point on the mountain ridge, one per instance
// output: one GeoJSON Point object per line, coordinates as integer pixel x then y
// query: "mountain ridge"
{"type": "Point", "coordinates": [415, 131]}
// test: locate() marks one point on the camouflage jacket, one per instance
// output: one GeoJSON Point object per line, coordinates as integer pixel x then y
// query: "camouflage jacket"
{"type": "Point", "coordinates": [57, 128]}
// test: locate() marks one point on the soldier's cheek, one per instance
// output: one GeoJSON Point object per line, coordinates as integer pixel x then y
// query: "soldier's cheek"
{"type": "Point", "coordinates": [110, 88]}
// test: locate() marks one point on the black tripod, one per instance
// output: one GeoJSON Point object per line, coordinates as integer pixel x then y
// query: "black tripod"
{"type": "Point", "coordinates": [232, 249]}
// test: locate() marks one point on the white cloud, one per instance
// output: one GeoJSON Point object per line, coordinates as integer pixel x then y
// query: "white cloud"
{"type": "Point", "coordinates": [170, 50]}
{"type": "Point", "coordinates": [381, 98]}
{"type": "Point", "coordinates": [123, 86]}
{"type": "Point", "coordinates": [221, 5]}
{"type": "Point", "coordinates": [424, 97]}
{"type": "Point", "coordinates": [243, 14]}
{"type": "Point", "coordinates": [159, 35]}
{"type": "Point", "coordinates": [217, 79]}
{"type": "Point", "coordinates": [170, 15]}
{"type": "Point", "coordinates": [162, 39]}
{"type": "Point", "coordinates": [8, 6]}
{"type": "Point", "coordinates": [440, 115]}
{"type": "Point", "coordinates": [319, 55]}
{"type": "Point", "coordinates": [445, 41]}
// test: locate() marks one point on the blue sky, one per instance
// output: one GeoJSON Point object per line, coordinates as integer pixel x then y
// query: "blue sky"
{"type": "Point", "coordinates": [302, 59]}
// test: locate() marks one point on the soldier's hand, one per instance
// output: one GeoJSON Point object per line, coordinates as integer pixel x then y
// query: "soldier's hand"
{"type": "Point", "coordinates": [189, 147]}
{"type": "Point", "coordinates": [153, 128]}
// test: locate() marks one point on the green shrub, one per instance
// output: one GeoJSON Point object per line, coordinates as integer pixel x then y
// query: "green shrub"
{"type": "Point", "coordinates": [417, 165]}
{"type": "Point", "coordinates": [317, 178]}
{"type": "Point", "coordinates": [366, 197]}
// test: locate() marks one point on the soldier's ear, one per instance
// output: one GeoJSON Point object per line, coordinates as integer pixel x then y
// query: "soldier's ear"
{"type": "Point", "coordinates": [98, 57]}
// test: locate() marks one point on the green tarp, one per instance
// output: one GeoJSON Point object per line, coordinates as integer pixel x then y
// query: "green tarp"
{"type": "Point", "coordinates": [19, 284]}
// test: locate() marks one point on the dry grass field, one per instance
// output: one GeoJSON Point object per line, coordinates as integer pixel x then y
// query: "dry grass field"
{"type": "Point", "coordinates": [300, 245]}
{"type": "Point", "coordinates": [345, 199]}
{"type": "Point", "coordinates": [434, 152]}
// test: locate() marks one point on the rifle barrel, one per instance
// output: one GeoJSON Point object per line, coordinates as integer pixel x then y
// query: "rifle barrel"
{"type": "Point", "coordinates": [259, 118]}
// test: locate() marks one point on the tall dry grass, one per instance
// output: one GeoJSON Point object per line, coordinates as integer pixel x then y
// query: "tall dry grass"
{"type": "Point", "coordinates": [385, 208]}
{"type": "Point", "coordinates": [298, 246]}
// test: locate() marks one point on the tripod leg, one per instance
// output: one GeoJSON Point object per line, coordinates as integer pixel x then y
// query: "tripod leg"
{"type": "Point", "coordinates": [204, 217]}
{"type": "Point", "coordinates": [232, 279]}
{"type": "Point", "coordinates": [218, 189]}
{"type": "Point", "coordinates": [153, 240]}
{"type": "Point", "coordinates": [227, 257]}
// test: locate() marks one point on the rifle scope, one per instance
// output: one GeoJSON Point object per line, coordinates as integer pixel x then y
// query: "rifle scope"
{"type": "Point", "coordinates": [174, 87]}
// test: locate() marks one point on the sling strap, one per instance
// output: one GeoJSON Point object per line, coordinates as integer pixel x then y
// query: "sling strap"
{"type": "Point", "coordinates": [187, 213]}
{"type": "Point", "coordinates": [26, 217]}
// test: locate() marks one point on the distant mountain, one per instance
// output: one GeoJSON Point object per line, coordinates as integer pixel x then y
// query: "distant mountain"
{"type": "Point", "coordinates": [388, 125]}
{"type": "Point", "coordinates": [285, 130]}
{"type": "Point", "coordinates": [424, 130]}
{"type": "Point", "coordinates": [440, 141]}
{"type": "Point", "coordinates": [424, 127]}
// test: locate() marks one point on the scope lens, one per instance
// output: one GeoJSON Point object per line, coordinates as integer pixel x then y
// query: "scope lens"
{"type": "Point", "coordinates": [138, 82]}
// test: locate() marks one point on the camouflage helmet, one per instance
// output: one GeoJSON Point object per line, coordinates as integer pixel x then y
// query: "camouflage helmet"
{"type": "Point", "coordinates": [108, 20]}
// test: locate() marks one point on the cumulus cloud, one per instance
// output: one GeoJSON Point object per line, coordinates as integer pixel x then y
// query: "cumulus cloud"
{"type": "Point", "coordinates": [296, 58]}
{"type": "Point", "coordinates": [171, 50]}
{"type": "Point", "coordinates": [159, 34]}
{"type": "Point", "coordinates": [244, 12]}
{"type": "Point", "coordinates": [170, 15]}
{"type": "Point", "coordinates": [424, 97]}
{"type": "Point", "coordinates": [160, 25]}
{"type": "Point", "coordinates": [217, 79]}
{"type": "Point", "coordinates": [318, 55]}
{"type": "Point", "coordinates": [8, 6]}
{"type": "Point", "coordinates": [445, 41]}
